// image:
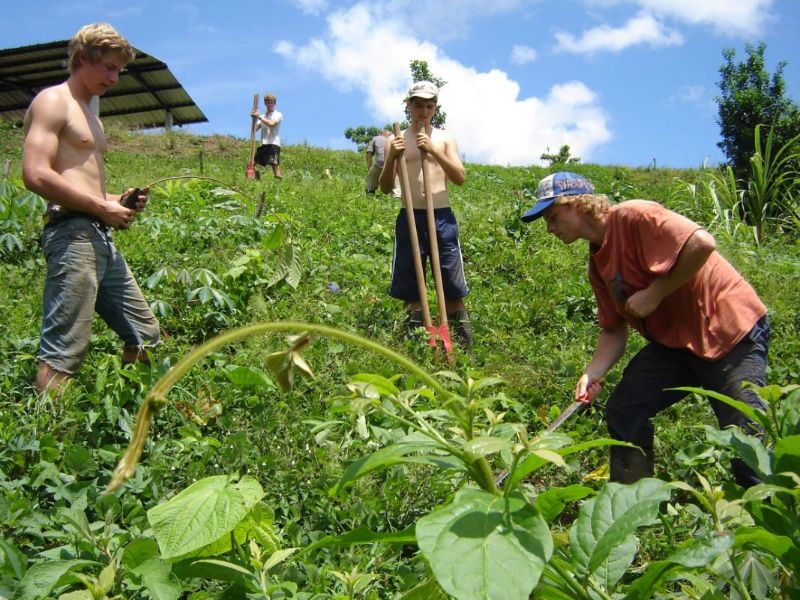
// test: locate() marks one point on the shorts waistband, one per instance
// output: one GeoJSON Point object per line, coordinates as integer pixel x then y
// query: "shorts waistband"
{"type": "Point", "coordinates": [51, 219]}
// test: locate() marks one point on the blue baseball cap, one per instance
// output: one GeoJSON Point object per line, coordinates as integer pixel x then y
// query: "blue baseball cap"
{"type": "Point", "coordinates": [551, 187]}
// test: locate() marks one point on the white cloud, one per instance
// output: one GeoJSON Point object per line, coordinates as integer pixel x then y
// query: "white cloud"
{"type": "Point", "coordinates": [311, 7]}
{"type": "Point", "coordinates": [694, 95]}
{"type": "Point", "coordinates": [192, 17]}
{"type": "Point", "coordinates": [689, 93]}
{"type": "Point", "coordinates": [518, 130]}
{"type": "Point", "coordinates": [522, 55]}
{"type": "Point", "coordinates": [745, 18]}
{"type": "Point", "coordinates": [737, 17]}
{"type": "Point", "coordinates": [442, 20]}
{"type": "Point", "coordinates": [641, 29]}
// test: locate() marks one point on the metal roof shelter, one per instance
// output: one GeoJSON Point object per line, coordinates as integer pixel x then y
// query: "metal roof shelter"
{"type": "Point", "coordinates": [147, 95]}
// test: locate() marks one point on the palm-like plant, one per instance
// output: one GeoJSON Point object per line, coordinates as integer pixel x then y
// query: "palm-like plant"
{"type": "Point", "coordinates": [771, 195]}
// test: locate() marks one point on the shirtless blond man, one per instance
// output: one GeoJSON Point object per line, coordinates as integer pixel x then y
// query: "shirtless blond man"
{"type": "Point", "coordinates": [62, 162]}
{"type": "Point", "coordinates": [444, 165]}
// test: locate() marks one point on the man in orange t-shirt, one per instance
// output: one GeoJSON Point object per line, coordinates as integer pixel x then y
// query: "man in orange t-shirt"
{"type": "Point", "coordinates": [659, 272]}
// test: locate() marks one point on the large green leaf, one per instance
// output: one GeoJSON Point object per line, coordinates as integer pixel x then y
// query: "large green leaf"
{"type": "Point", "coordinates": [552, 501]}
{"type": "Point", "coordinates": [696, 555]}
{"type": "Point", "coordinates": [42, 578]}
{"type": "Point", "coordinates": [15, 559]}
{"type": "Point", "coordinates": [484, 547]}
{"type": "Point", "coordinates": [362, 535]}
{"type": "Point", "coordinates": [139, 551]}
{"type": "Point", "coordinates": [427, 590]}
{"type": "Point", "coordinates": [485, 445]}
{"type": "Point", "coordinates": [786, 455]}
{"type": "Point", "coordinates": [157, 577]}
{"type": "Point", "coordinates": [557, 442]}
{"type": "Point", "coordinates": [295, 271]}
{"type": "Point", "coordinates": [601, 539]}
{"type": "Point", "coordinates": [780, 546]}
{"type": "Point", "coordinates": [202, 513]}
{"type": "Point", "coordinates": [248, 377]}
{"type": "Point", "coordinates": [79, 461]}
{"type": "Point", "coordinates": [399, 453]}
{"type": "Point", "coordinates": [749, 448]}
{"type": "Point", "coordinates": [756, 415]}
{"type": "Point", "coordinates": [275, 239]}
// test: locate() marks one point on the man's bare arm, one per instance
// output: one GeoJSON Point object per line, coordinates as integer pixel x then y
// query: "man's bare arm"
{"type": "Point", "coordinates": [610, 348]}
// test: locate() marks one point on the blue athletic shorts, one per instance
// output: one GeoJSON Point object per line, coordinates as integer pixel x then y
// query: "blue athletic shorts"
{"type": "Point", "coordinates": [404, 278]}
{"type": "Point", "coordinates": [86, 273]}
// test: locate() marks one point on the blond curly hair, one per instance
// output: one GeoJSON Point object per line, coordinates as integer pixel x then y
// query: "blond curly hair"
{"type": "Point", "coordinates": [94, 42]}
{"type": "Point", "coordinates": [594, 205]}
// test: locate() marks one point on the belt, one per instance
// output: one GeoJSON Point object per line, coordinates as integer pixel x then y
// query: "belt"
{"type": "Point", "coordinates": [51, 219]}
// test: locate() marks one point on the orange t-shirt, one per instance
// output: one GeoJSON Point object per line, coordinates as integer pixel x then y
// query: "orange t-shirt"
{"type": "Point", "coordinates": [708, 315]}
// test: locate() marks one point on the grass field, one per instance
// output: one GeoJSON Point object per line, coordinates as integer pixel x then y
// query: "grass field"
{"type": "Point", "coordinates": [208, 264]}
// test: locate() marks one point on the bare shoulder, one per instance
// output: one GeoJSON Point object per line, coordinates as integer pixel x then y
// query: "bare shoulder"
{"type": "Point", "coordinates": [49, 107]}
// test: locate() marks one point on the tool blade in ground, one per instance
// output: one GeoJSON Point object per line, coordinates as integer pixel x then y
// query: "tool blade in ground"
{"type": "Point", "coordinates": [584, 400]}
{"type": "Point", "coordinates": [441, 332]}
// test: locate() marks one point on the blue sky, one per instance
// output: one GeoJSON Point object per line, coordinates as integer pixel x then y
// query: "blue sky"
{"type": "Point", "coordinates": [620, 81]}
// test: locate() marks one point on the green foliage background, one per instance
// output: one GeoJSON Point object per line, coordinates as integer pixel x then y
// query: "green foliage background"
{"type": "Point", "coordinates": [532, 312]}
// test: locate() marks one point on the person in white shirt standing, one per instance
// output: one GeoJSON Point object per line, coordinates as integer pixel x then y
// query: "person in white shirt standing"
{"type": "Point", "coordinates": [270, 125]}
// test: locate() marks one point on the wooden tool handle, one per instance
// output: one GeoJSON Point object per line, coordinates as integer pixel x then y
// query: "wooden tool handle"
{"type": "Point", "coordinates": [405, 189]}
{"type": "Point", "coordinates": [253, 129]}
{"type": "Point", "coordinates": [432, 239]}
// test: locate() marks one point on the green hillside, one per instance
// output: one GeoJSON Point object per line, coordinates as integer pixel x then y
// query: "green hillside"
{"type": "Point", "coordinates": [210, 258]}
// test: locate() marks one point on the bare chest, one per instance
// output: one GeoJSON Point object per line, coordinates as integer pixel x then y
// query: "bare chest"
{"type": "Point", "coordinates": [83, 132]}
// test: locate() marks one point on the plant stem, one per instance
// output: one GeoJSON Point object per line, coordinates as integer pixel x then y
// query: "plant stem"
{"type": "Point", "coordinates": [155, 399]}
{"type": "Point", "coordinates": [740, 584]}
{"type": "Point", "coordinates": [566, 577]}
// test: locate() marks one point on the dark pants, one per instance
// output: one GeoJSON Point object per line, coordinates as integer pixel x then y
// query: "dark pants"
{"type": "Point", "coordinates": [644, 391]}
{"type": "Point", "coordinates": [404, 274]}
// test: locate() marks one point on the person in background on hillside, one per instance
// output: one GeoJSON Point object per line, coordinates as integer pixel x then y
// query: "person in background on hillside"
{"type": "Point", "coordinates": [374, 156]}
{"type": "Point", "coordinates": [658, 272]}
{"type": "Point", "coordinates": [445, 165]}
{"type": "Point", "coordinates": [269, 153]}
{"type": "Point", "coordinates": [62, 162]}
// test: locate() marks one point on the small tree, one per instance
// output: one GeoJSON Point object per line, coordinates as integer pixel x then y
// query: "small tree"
{"type": "Point", "coordinates": [362, 135]}
{"type": "Point", "coordinates": [562, 158]}
{"type": "Point", "coordinates": [749, 97]}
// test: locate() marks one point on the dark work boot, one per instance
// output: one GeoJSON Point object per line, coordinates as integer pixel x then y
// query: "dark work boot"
{"type": "Point", "coordinates": [413, 321]}
{"type": "Point", "coordinates": [462, 328]}
{"type": "Point", "coordinates": [629, 465]}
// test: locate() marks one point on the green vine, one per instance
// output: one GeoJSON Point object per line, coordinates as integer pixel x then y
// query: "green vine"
{"type": "Point", "coordinates": [156, 399]}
